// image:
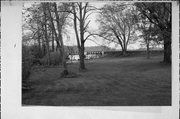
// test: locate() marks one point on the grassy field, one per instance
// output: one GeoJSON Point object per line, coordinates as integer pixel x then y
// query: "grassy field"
{"type": "Point", "coordinates": [130, 81]}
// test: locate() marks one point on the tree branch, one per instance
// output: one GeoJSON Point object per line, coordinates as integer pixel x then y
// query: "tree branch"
{"type": "Point", "coordinates": [85, 27]}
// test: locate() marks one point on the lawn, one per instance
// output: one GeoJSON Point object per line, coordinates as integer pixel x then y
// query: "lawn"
{"type": "Point", "coordinates": [129, 81]}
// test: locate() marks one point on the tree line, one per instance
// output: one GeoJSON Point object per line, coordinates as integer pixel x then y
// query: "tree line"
{"type": "Point", "coordinates": [46, 25]}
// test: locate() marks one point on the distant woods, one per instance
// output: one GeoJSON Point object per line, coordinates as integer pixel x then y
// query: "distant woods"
{"type": "Point", "coordinates": [45, 28]}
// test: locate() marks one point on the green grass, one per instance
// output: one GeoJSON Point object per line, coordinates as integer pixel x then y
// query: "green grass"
{"type": "Point", "coordinates": [130, 81]}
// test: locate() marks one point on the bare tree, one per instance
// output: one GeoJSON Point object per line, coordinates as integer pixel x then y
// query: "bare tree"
{"type": "Point", "coordinates": [57, 28]}
{"type": "Point", "coordinates": [46, 24]}
{"type": "Point", "coordinates": [45, 31]}
{"type": "Point", "coordinates": [147, 35]}
{"type": "Point", "coordinates": [37, 23]}
{"type": "Point", "coordinates": [118, 23]}
{"type": "Point", "coordinates": [81, 12]}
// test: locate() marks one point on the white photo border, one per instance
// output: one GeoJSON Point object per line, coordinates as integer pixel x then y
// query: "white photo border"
{"type": "Point", "coordinates": [11, 105]}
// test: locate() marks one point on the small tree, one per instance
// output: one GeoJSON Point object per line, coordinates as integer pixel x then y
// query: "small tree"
{"type": "Point", "coordinates": [45, 31]}
{"type": "Point", "coordinates": [149, 34]}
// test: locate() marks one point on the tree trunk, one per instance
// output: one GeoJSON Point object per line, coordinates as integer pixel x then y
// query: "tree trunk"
{"type": "Point", "coordinates": [39, 48]}
{"type": "Point", "coordinates": [39, 44]}
{"type": "Point", "coordinates": [81, 56]}
{"type": "Point", "coordinates": [45, 33]}
{"type": "Point", "coordinates": [52, 41]}
{"type": "Point", "coordinates": [59, 27]}
{"type": "Point", "coordinates": [53, 29]}
{"type": "Point", "coordinates": [124, 49]}
{"type": "Point", "coordinates": [124, 52]}
{"type": "Point", "coordinates": [147, 45]}
{"type": "Point", "coordinates": [65, 72]}
{"type": "Point", "coordinates": [167, 51]}
{"type": "Point", "coordinates": [44, 48]}
{"type": "Point", "coordinates": [80, 37]}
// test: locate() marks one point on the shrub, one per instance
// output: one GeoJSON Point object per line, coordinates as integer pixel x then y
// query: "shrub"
{"type": "Point", "coordinates": [55, 59]}
{"type": "Point", "coordinates": [27, 60]}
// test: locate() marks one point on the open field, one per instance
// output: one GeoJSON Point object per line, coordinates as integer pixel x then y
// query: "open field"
{"type": "Point", "coordinates": [129, 81]}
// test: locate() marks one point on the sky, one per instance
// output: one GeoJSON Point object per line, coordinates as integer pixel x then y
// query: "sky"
{"type": "Point", "coordinates": [93, 27]}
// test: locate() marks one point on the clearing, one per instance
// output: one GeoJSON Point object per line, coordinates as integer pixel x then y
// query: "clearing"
{"type": "Point", "coordinates": [129, 81]}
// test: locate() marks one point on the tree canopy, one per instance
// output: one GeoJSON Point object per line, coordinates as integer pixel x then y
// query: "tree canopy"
{"type": "Point", "coordinates": [159, 14]}
{"type": "Point", "coordinates": [118, 23]}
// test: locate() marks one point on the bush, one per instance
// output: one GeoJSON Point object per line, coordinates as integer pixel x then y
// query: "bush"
{"type": "Point", "coordinates": [27, 60]}
{"type": "Point", "coordinates": [55, 59]}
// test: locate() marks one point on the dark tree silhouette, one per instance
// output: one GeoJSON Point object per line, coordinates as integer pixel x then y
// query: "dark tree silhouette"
{"type": "Point", "coordinates": [159, 14]}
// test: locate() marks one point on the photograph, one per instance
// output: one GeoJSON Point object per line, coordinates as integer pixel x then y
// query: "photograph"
{"type": "Point", "coordinates": [96, 54]}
